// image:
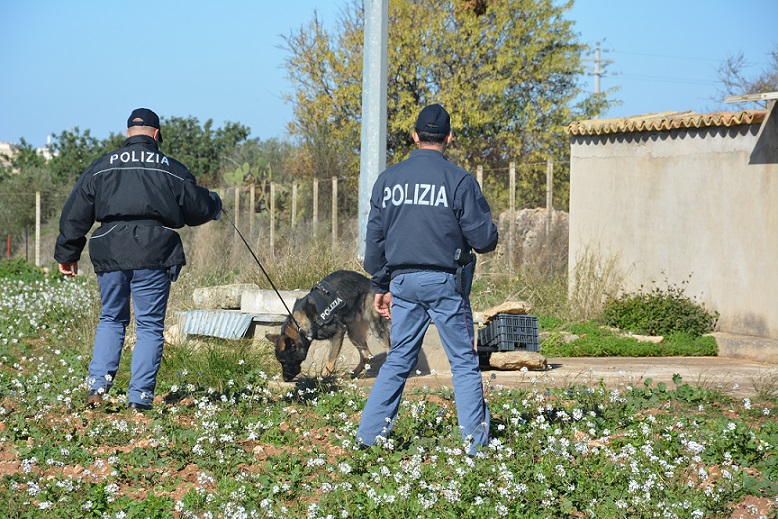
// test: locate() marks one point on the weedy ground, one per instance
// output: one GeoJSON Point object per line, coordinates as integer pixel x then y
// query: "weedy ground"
{"type": "Point", "coordinates": [225, 439]}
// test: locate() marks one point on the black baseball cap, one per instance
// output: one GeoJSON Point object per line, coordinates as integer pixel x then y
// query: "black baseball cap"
{"type": "Point", "coordinates": [147, 118]}
{"type": "Point", "coordinates": [433, 119]}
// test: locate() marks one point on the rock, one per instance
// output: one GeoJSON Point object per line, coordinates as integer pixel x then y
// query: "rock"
{"type": "Point", "coordinates": [509, 307]}
{"type": "Point", "coordinates": [515, 360]}
{"type": "Point", "coordinates": [173, 335]}
{"type": "Point", "coordinates": [656, 339]}
{"type": "Point", "coordinates": [223, 297]}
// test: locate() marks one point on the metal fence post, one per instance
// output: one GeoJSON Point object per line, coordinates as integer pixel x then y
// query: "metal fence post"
{"type": "Point", "coordinates": [549, 194]}
{"type": "Point", "coordinates": [37, 228]}
{"type": "Point", "coordinates": [252, 206]}
{"type": "Point", "coordinates": [294, 203]}
{"type": "Point", "coordinates": [334, 211]}
{"type": "Point", "coordinates": [272, 218]}
{"type": "Point", "coordinates": [315, 206]}
{"type": "Point", "coordinates": [512, 213]}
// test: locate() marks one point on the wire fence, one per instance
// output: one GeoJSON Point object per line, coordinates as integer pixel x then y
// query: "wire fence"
{"type": "Point", "coordinates": [322, 206]}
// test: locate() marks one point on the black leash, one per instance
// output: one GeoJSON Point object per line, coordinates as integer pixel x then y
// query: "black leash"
{"type": "Point", "coordinates": [264, 272]}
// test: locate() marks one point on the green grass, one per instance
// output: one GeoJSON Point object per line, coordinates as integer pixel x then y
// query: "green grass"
{"type": "Point", "coordinates": [597, 340]}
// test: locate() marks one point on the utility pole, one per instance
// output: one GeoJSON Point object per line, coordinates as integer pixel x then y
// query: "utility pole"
{"type": "Point", "coordinates": [374, 92]}
{"type": "Point", "coordinates": [598, 71]}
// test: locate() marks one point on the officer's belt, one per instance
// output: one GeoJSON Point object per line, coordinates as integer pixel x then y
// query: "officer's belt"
{"type": "Point", "coordinates": [143, 222]}
{"type": "Point", "coordinates": [408, 269]}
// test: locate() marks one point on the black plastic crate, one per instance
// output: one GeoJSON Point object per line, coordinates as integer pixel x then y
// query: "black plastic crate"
{"type": "Point", "coordinates": [508, 332]}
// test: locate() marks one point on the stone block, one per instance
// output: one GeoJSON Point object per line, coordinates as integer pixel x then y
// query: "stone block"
{"type": "Point", "coordinates": [222, 297]}
{"type": "Point", "coordinates": [258, 301]}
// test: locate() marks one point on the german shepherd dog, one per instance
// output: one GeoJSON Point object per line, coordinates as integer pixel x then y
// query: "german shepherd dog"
{"type": "Point", "coordinates": [351, 311]}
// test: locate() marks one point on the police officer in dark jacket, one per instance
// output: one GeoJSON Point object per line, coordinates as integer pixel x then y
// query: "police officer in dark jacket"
{"type": "Point", "coordinates": [425, 216]}
{"type": "Point", "coordinates": [140, 196]}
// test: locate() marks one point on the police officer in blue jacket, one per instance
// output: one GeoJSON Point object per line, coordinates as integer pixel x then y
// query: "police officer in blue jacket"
{"type": "Point", "coordinates": [140, 196]}
{"type": "Point", "coordinates": [425, 214]}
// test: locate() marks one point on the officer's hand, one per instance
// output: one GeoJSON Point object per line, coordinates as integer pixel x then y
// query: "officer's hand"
{"type": "Point", "coordinates": [383, 304]}
{"type": "Point", "coordinates": [68, 269]}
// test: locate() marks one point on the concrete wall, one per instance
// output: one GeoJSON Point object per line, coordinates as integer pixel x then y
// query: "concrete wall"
{"type": "Point", "coordinates": [695, 205]}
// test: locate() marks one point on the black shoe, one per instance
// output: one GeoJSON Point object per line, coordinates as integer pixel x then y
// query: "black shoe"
{"type": "Point", "coordinates": [94, 397]}
{"type": "Point", "coordinates": [138, 407]}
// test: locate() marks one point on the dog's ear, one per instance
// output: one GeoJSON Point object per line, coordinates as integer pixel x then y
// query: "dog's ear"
{"type": "Point", "coordinates": [310, 307]}
{"type": "Point", "coordinates": [272, 337]}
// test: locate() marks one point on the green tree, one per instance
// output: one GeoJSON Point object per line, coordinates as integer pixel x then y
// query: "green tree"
{"type": "Point", "coordinates": [72, 152]}
{"type": "Point", "coordinates": [273, 152]}
{"type": "Point", "coordinates": [17, 198]}
{"type": "Point", "coordinates": [508, 71]}
{"type": "Point", "coordinates": [28, 172]}
{"type": "Point", "coordinates": [201, 148]}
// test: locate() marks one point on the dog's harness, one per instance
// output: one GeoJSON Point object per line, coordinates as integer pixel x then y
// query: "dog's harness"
{"type": "Point", "coordinates": [327, 302]}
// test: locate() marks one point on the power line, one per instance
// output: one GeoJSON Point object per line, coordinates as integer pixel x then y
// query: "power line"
{"type": "Point", "coordinates": [667, 56]}
{"type": "Point", "coordinates": [657, 79]}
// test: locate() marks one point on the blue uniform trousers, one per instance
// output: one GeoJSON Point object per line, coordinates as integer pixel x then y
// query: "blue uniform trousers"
{"type": "Point", "coordinates": [150, 289]}
{"type": "Point", "coordinates": [417, 298]}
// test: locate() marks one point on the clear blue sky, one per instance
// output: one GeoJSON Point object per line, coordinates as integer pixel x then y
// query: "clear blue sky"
{"type": "Point", "coordinates": [87, 64]}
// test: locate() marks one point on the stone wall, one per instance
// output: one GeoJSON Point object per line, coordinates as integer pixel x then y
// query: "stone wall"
{"type": "Point", "coordinates": [693, 207]}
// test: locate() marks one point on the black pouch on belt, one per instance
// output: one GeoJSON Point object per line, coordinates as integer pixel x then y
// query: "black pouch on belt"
{"type": "Point", "coordinates": [463, 278]}
{"type": "Point", "coordinates": [173, 272]}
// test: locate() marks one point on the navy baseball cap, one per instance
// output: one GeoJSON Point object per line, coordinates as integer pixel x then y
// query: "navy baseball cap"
{"type": "Point", "coordinates": [433, 119]}
{"type": "Point", "coordinates": [147, 118]}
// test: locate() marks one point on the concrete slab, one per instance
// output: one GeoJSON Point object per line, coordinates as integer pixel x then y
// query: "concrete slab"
{"type": "Point", "coordinates": [267, 302]}
{"type": "Point", "coordinates": [747, 347]}
{"type": "Point", "coordinates": [737, 377]}
{"type": "Point", "coordinates": [227, 297]}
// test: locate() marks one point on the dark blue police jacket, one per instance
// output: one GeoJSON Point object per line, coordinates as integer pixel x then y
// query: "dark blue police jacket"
{"type": "Point", "coordinates": [421, 211]}
{"type": "Point", "coordinates": [140, 195]}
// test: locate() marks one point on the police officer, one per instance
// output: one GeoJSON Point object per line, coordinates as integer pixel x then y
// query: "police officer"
{"type": "Point", "coordinates": [140, 196]}
{"type": "Point", "coordinates": [422, 210]}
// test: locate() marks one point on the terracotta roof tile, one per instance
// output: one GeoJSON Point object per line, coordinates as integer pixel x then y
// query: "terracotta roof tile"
{"type": "Point", "coordinates": [664, 121]}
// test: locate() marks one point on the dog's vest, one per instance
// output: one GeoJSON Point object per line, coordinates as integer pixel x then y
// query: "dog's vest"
{"type": "Point", "coordinates": [326, 301]}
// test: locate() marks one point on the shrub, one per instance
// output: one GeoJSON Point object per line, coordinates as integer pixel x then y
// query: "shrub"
{"type": "Point", "coordinates": [20, 270]}
{"type": "Point", "coordinates": [660, 311]}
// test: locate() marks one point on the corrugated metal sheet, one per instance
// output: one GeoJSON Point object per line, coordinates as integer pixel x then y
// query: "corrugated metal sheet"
{"type": "Point", "coordinates": [215, 323]}
{"type": "Point", "coordinates": [665, 121]}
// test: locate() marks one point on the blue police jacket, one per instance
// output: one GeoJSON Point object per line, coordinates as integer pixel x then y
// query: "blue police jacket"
{"type": "Point", "coordinates": [421, 211]}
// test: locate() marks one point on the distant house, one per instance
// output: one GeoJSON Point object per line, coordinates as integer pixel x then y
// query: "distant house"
{"type": "Point", "coordinates": [691, 199]}
{"type": "Point", "coordinates": [7, 151]}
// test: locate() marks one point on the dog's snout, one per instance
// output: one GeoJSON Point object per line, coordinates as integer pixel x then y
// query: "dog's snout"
{"type": "Point", "coordinates": [290, 371]}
